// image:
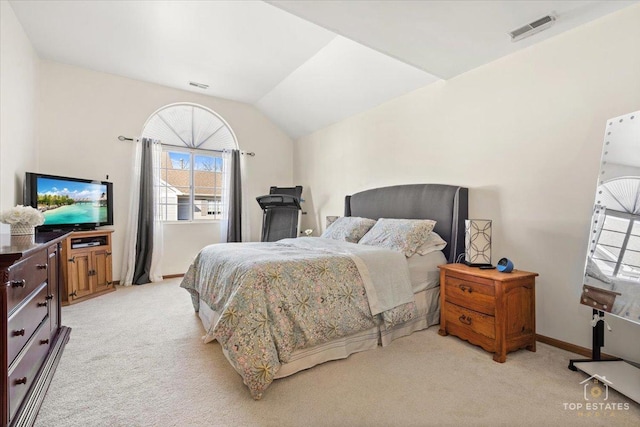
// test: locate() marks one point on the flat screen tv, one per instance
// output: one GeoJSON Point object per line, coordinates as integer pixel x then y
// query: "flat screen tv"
{"type": "Point", "coordinates": [69, 203]}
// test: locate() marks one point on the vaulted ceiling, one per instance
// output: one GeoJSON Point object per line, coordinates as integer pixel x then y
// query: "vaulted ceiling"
{"type": "Point", "coordinates": [305, 64]}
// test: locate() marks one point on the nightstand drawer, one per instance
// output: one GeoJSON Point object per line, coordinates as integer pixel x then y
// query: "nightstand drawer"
{"type": "Point", "coordinates": [471, 294]}
{"type": "Point", "coordinates": [478, 323]}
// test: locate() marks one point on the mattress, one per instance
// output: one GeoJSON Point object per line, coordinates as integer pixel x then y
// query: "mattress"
{"type": "Point", "coordinates": [427, 303]}
{"type": "Point", "coordinates": [423, 270]}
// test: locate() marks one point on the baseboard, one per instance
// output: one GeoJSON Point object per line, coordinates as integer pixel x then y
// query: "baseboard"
{"type": "Point", "coordinates": [168, 276]}
{"type": "Point", "coordinates": [583, 351]}
{"type": "Point", "coordinates": [172, 276]}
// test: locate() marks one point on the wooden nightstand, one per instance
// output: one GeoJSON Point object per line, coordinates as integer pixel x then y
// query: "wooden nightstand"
{"type": "Point", "coordinates": [487, 308]}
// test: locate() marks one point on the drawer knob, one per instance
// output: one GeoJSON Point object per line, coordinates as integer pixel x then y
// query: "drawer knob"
{"type": "Point", "coordinates": [464, 319]}
{"type": "Point", "coordinates": [43, 304]}
{"type": "Point", "coordinates": [464, 288]}
{"type": "Point", "coordinates": [22, 380]}
{"type": "Point", "coordinates": [18, 283]}
{"type": "Point", "coordinates": [41, 266]}
{"type": "Point", "coordinates": [19, 332]}
{"type": "Point", "coordinates": [43, 342]}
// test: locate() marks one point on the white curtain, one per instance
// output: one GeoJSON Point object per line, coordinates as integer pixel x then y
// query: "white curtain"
{"type": "Point", "coordinates": [226, 195]}
{"type": "Point", "coordinates": [158, 226]}
{"type": "Point", "coordinates": [129, 252]}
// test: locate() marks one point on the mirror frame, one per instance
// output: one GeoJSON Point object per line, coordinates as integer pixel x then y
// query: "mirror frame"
{"type": "Point", "coordinates": [618, 197]}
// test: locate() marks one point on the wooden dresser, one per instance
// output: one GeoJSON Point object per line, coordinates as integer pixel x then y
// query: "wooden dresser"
{"type": "Point", "coordinates": [487, 308]}
{"type": "Point", "coordinates": [31, 335]}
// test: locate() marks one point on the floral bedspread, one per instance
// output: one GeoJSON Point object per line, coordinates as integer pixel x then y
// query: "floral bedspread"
{"type": "Point", "coordinates": [275, 298]}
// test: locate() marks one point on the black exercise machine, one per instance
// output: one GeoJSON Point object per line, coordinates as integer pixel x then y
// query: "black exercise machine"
{"type": "Point", "coordinates": [280, 213]}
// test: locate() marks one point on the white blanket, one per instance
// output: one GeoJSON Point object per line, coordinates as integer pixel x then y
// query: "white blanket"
{"type": "Point", "coordinates": [385, 273]}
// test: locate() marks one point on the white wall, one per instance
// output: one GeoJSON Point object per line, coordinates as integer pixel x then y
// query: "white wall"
{"type": "Point", "coordinates": [82, 112]}
{"type": "Point", "coordinates": [18, 111]}
{"type": "Point", "coordinates": [524, 133]}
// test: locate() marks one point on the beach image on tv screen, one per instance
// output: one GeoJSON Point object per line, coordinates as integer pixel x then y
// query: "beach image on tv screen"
{"type": "Point", "coordinates": [70, 202]}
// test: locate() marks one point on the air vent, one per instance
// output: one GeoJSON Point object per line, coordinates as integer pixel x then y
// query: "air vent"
{"type": "Point", "coordinates": [199, 85]}
{"type": "Point", "coordinates": [532, 28]}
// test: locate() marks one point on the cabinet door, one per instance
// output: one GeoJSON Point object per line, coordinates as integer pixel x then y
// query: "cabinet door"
{"type": "Point", "coordinates": [102, 269]}
{"type": "Point", "coordinates": [79, 267]}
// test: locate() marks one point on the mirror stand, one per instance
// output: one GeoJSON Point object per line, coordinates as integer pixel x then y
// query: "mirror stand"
{"type": "Point", "coordinates": [597, 343]}
{"type": "Point", "coordinates": [615, 372]}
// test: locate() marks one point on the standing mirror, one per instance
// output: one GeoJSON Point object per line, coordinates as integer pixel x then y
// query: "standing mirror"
{"type": "Point", "coordinates": [612, 272]}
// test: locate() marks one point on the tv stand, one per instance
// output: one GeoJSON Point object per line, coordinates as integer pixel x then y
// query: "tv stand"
{"type": "Point", "coordinates": [87, 265]}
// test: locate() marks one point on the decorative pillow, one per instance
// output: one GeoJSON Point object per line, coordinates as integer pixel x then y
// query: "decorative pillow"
{"type": "Point", "coordinates": [433, 243]}
{"type": "Point", "coordinates": [402, 235]}
{"type": "Point", "coordinates": [348, 228]}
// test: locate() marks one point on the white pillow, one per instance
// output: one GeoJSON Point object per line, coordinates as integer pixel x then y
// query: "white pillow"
{"type": "Point", "coordinates": [433, 243]}
{"type": "Point", "coordinates": [402, 235]}
{"type": "Point", "coordinates": [348, 228]}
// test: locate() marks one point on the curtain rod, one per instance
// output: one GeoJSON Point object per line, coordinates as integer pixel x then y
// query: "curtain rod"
{"type": "Point", "coordinates": [248, 153]}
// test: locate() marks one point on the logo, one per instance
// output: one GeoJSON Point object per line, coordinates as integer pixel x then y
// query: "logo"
{"type": "Point", "coordinates": [595, 386]}
{"type": "Point", "coordinates": [595, 395]}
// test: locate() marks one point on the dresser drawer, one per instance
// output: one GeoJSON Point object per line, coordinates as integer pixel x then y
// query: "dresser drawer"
{"type": "Point", "coordinates": [24, 322]}
{"type": "Point", "coordinates": [472, 321]}
{"type": "Point", "coordinates": [471, 294]}
{"type": "Point", "coordinates": [25, 277]}
{"type": "Point", "coordinates": [23, 374]}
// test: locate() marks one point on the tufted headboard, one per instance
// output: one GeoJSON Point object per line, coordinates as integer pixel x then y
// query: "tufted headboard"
{"type": "Point", "coordinates": [448, 205]}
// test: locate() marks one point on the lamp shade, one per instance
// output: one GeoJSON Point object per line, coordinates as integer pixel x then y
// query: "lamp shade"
{"type": "Point", "coordinates": [477, 242]}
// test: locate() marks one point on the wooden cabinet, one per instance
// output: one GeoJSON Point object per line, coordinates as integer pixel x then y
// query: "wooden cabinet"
{"type": "Point", "coordinates": [87, 260]}
{"type": "Point", "coordinates": [31, 335]}
{"type": "Point", "coordinates": [487, 308]}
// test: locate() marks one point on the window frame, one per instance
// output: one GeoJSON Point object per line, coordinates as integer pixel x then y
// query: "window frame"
{"type": "Point", "coordinates": [218, 149]}
{"type": "Point", "coordinates": [193, 152]}
{"type": "Point", "coordinates": [623, 248]}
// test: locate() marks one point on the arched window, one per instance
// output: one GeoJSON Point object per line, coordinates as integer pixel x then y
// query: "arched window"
{"type": "Point", "coordinates": [192, 169]}
{"type": "Point", "coordinates": [617, 243]}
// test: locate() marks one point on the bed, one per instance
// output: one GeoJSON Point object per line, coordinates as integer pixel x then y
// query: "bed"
{"type": "Point", "coordinates": [249, 296]}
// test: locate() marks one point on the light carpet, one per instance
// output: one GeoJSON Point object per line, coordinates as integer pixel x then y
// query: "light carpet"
{"type": "Point", "coordinates": [135, 358]}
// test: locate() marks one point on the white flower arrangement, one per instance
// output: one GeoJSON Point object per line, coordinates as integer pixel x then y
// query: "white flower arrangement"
{"type": "Point", "coordinates": [23, 215]}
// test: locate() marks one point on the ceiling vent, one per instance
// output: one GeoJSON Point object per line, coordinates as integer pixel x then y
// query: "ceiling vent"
{"type": "Point", "coordinates": [199, 85]}
{"type": "Point", "coordinates": [532, 28]}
